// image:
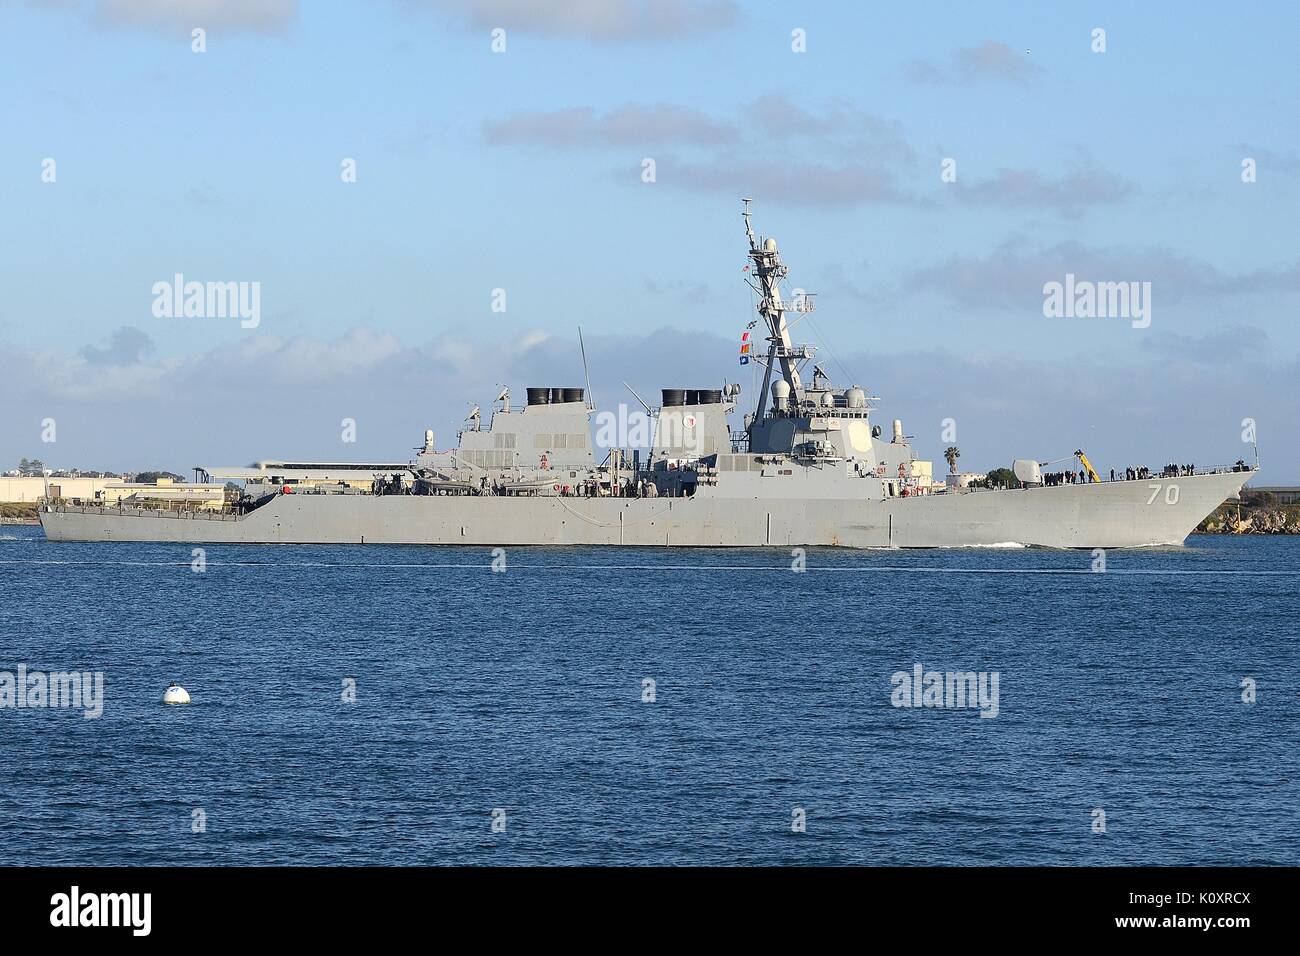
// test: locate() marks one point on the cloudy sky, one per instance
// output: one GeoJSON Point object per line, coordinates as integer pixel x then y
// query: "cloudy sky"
{"type": "Point", "coordinates": [522, 170]}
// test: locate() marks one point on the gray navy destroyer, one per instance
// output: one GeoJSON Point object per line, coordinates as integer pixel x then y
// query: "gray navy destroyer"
{"type": "Point", "coordinates": [808, 468]}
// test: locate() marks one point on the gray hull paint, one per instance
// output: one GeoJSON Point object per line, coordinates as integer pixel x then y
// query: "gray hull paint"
{"type": "Point", "coordinates": [1107, 515]}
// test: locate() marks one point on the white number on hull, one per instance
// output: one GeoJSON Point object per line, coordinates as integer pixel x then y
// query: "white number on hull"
{"type": "Point", "coordinates": [1171, 494]}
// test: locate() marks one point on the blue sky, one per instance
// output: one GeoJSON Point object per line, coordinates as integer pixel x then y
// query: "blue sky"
{"type": "Point", "coordinates": [522, 171]}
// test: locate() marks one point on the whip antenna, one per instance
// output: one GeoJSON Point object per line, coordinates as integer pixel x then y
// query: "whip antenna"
{"type": "Point", "coordinates": [591, 401]}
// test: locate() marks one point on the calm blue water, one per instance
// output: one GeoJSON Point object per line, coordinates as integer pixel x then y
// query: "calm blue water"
{"type": "Point", "coordinates": [522, 691]}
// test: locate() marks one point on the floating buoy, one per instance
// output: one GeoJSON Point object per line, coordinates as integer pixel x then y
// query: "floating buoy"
{"type": "Point", "coordinates": [175, 694]}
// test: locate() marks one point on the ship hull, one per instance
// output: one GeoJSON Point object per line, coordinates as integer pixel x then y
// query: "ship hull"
{"type": "Point", "coordinates": [1106, 515]}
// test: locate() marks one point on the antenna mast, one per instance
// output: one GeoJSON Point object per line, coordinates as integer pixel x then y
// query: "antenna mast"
{"type": "Point", "coordinates": [591, 400]}
{"type": "Point", "coordinates": [770, 271]}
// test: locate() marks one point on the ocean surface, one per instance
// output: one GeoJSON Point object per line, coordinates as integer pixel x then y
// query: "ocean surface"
{"type": "Point", "coordinates": [520, 699]}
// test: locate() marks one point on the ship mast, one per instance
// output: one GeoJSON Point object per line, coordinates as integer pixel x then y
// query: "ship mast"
{"type": "Point", "coordinates": [770, 270]}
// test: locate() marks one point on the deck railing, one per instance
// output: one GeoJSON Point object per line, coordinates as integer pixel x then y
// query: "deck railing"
{"type": "Point", "coordinates": [140, 512]}
{"type": "Point", "coordinates": [1161, 475]}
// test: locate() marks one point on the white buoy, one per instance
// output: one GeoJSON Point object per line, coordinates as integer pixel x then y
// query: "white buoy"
{"type": "Point", "coordinates": [175, 694]}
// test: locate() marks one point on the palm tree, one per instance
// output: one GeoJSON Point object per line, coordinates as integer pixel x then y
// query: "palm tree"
{"type": "Point", "coordinates": [952, 453]}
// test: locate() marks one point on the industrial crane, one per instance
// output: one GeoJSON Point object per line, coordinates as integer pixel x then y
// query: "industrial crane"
{"type": "Point", "coordinates": [1083, 459]}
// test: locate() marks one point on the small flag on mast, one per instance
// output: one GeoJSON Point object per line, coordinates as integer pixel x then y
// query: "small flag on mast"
{"type": "Point", "coordinates": [745, 344]}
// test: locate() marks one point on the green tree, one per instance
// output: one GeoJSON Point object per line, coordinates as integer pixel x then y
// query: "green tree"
{"type": "Point", "coordinates": [1258, 499]}
{"type": "Point", "coordinates": [149, 477]}
{"type": "Point", "coordinates": [1001, 478]}
{"type": "Point", "coordinates": [951, 454]}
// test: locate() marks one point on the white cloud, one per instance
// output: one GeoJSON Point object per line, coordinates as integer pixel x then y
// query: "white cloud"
{"type": "Point", "coordinates": [810, 183]}
{"type": "Point", "coordinates": [990, 60]}
{"type": "Point", "coordinates": [859, 156]}
{"type": "Point", "coordinates": [630, 125]}
{"type": "Point", "coordinates": [597, 20]}
{"type": "Point", "coordinates": [254, 16]}
{"type": "Point", "coordinates": [1077, 189]}
{"type": "Point", "coordinates": [126, 346]}
{"type": "Point", "coordinates": [1012, 275]}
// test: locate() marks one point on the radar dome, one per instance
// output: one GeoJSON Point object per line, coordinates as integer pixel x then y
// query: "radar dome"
{"type": "Point", "coordinates": [769, 245]}
{"type": "Point", "coordinates": [855, 398]}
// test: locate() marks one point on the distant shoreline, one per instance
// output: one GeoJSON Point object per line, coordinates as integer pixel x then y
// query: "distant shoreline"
{"type": "Point", "coordinates": [18, 514]}
{"type": "Point", "coordinates": [1235, 518]}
